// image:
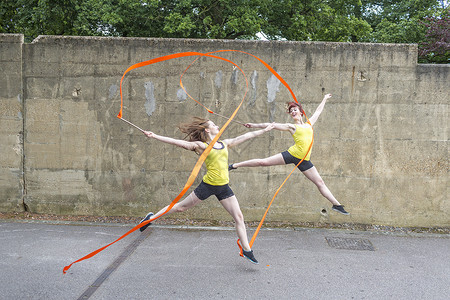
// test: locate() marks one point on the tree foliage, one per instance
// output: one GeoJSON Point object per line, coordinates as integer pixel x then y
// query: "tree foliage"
{"type": "Point", "coordinates": [395, 21]}
{"type": "Point", "coordinates": [315, 20]}
{"type": "Point", "coordinates": [222, 19]}
{"type": "Point", "coordinates": [379, 21]}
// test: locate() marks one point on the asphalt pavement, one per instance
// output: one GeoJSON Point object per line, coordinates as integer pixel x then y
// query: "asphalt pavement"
{"type": "Point", "coordinates": [176, 262]}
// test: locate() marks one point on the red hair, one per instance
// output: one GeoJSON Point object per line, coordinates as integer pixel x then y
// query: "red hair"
{"type": "Point", "coordinates": [294, 104]}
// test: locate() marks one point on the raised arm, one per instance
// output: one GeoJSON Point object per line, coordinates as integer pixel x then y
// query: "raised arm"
{"type": "Point", "coordinates": [198, 147]}
{"type": "Point", "coordinates": [319, 109]}
{"type": "Point", "coordinates": [247, 136]}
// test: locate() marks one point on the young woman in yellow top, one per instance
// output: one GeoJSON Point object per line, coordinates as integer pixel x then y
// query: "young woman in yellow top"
{"type": "Point", "coordinates": [302, 133]}
{"type": "Point", "coordinates": [200, 132]}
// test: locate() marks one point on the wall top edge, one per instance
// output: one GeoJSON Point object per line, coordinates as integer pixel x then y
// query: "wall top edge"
{"type": "Point", "coordinates": [49, 38]}
{"type": "Point", "coordinates": [444, 66]}
{"type": "Point", "coordinates": [11, 38]}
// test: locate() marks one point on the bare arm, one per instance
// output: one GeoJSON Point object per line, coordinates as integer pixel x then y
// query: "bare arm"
{"type": "Point", "coordinates": [198, 147]}
{"type": "Point", "coordinates": [277, 126]}
{"type": "Point", "coordinates": [247, 136]}
{"type": "Point", "coordinates": [319, 109]}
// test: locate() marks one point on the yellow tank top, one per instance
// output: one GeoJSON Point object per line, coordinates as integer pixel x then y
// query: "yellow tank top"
{"type": "Point", "coordinates": [217, 166]}
{"type": "Point", "coordinates": [302, 138]}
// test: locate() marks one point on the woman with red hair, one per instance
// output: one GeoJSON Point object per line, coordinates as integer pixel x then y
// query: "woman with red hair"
{"type": "Point", "coordinates": [302, 133]}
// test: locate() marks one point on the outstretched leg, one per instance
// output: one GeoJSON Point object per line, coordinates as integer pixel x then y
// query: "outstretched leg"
{"type": "Point", "coordinates": [273, 160]}
{"type": "Point", "coordinates": [232, 206]}
{"type": "Point", "coordinates": [188, 202]}
{"type": "Point", "coordinates": [313, 175]}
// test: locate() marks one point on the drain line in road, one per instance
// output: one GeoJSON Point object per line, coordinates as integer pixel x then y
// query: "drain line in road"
{"type": "Point", "coordinates": [114, 265]}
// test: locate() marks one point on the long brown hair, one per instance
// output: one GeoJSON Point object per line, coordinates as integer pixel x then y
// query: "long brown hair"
{"type": "Point", "coordinates": [195, 129]}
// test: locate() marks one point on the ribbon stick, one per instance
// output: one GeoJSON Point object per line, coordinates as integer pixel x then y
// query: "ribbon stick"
{"type": "Point", "coordinates": [128, 122]}
{"type": "Point", "coordinates": [240, 123]}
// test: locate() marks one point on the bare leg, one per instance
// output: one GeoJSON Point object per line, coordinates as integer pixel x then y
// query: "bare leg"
{"type": "Point", "coordinates": [232, 206]}
{"type": "Point", "coordinates": [273, 160]}
{"type": "Point", "coordinates": [188, 202]}
{"type": "Point", "coordinates": [313, 175]}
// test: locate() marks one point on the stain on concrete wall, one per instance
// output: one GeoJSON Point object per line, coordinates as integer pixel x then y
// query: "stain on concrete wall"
{"type": "Point", "coordinates": [181, 95]}
{"type": "Point", "coordinates": [113, 90]}
{"type": "Point", "coordinates": [254, 90]}
{"type": "Point", "coordinates": [218, 79]}
{"type": "Point", "coordinates": [150, 103]}
{"type": "Point", "coordinates": [235, 76]}
{"type": "Point", "coordinates": [273, 87]}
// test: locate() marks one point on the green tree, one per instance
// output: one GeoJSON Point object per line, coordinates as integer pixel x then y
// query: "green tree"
{"type": "Point", "coordinates": [135, 18]}
{"type": "Point", "coordinates": [395, 21]}
{"type": "Point", "coordinates": [8, 15]}
{"type": "Point", "coordinates": [230, 19]}
{"type": "Point", "coordinates": [384, 21]}
{"type": "Point", "coordinates": [35, 17]}
{"type": "Point", "coordinates": [221, 19]}
{"type": "Point", "coordinates": [315, 20]}
{"type": "Point", "coordinates": [51, 17]}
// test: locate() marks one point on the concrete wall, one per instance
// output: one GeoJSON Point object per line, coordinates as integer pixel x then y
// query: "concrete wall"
{"type": "Point", "coordinates": [381, 144]}
{"type": "Point", "coordinates": [11, 123]}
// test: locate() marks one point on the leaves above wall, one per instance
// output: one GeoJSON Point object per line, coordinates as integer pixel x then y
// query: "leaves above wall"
{"type": "Point", "coordinates": [375, 21]}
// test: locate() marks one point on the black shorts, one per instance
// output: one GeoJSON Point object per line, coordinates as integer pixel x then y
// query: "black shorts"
{"type": "Point", "coordinates": [204, 190]}
{"type": "Point", "coordinates": [289, 159]}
